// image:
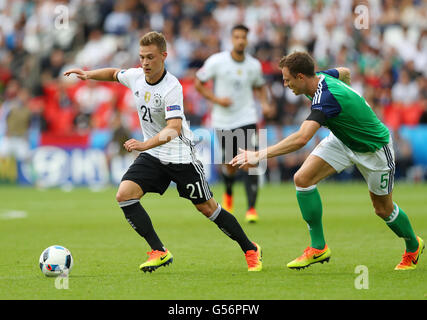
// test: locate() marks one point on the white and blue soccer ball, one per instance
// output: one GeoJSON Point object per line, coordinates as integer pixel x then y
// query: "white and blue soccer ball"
{"type": "Point", "coordinates": [56, 260]}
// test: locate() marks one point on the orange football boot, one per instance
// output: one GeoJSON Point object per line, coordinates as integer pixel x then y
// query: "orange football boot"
{"type": "Point", "coordinates": [254, 258]}
{"type": "Point", "coordinates": [227, 202]}
{"type": "Point", "coordinates": [410, 259]}
{"type": "Point", "coordinates": [251, 215]}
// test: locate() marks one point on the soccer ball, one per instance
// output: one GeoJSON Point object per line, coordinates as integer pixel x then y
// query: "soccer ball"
{"type": "Point", "coordinates": [56, 260]}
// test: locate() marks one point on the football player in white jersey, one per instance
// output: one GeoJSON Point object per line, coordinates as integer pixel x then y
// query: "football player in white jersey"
{"type": "Point", "coordinates": [166, 153]}
{"type": "Point", "coordinates": [237, 76]}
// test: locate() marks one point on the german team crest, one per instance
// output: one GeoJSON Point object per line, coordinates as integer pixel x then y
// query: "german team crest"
{"type": "Point", "coordinates": [157, 102]}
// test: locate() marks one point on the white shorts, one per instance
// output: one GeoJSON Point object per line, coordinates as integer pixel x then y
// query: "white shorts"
{"type": "Point", "coordinates": [376, 167]}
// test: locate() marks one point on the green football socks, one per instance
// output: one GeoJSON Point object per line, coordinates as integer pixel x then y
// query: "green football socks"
{"type": "Point", "coordinates": [398, 221]}
{"type": "Point", "coordinates": [311, 208]}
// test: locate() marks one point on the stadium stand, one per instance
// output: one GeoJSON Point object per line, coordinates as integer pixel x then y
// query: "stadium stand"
{"type": "Point", "coordinates": [39, 39]}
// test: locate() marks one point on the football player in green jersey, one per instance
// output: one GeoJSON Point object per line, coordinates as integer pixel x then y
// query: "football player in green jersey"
{"type": "Point", "coordinates": [357, 137]}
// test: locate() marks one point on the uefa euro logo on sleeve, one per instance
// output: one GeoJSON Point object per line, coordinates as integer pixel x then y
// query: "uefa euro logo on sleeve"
{"type": "Point", "coordinates": [172, 108]}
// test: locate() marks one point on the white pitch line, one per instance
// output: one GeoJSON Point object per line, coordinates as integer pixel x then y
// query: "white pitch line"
{"type": "Point", "coordinates": [13, 214]}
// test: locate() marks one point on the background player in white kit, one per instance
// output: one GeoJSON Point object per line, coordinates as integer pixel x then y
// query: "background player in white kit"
{"type": "Point", "coordinates": [166, 153]}
{"type": "Point", "coordinates": [237, 75]}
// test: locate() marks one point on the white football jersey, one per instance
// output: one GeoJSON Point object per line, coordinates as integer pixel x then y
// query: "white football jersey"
{"type": "Point", "coordinates": [156, 103]}
{"type": "Point", "coordinates": [234, 80]}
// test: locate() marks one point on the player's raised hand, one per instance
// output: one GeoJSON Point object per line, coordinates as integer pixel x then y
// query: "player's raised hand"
{"type": "Point", "coordinates": [81, 74]}
{"type": "Point", "coordinates": [245, 159]}
{"type": "Point", "coordinates": [133, 144]}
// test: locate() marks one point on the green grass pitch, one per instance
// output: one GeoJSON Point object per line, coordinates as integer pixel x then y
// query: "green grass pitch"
{"type": "Point", "coordinates": [207, 264]}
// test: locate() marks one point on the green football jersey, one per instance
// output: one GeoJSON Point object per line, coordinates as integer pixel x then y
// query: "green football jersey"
{"type": "Point", "coordinates": [348, 115]}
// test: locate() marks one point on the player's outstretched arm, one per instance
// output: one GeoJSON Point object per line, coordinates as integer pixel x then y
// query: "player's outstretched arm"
{"type": "Point", "coordinates": [104, 74]}
{"type": "Point", "coordinates": [344, 75]}
{"type": "Point", "coordinates": [294, 141]}
{"type": "Point", "coordinates": [168, 133]}
{"type": "Point", "coordinates": [291, 143]}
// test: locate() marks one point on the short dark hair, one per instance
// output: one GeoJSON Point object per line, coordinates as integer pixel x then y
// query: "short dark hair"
{"type": "Point", "coordinates": [240, 27]}
{"type": "Point", "coordinates": [298, 62]}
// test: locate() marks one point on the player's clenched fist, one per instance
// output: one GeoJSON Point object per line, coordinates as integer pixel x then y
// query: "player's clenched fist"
{"type": "Point", "coordinates": [133, 144]}
{"type": "Point", "coordinates": [81, 74]}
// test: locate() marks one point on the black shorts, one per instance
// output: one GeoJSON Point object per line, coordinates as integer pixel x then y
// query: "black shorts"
{"type": "Point", "coordinates": [231, 140]}
{"type": "Point", "coordinates": [154, 176]}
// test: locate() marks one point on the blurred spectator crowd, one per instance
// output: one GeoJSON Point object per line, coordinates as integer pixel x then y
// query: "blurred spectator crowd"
{"type": "Point", "coordinates": [39, 39]}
